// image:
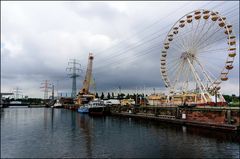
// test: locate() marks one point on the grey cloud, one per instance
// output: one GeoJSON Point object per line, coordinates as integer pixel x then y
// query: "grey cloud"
{"type": "Point", "coordinates": [47, 47]}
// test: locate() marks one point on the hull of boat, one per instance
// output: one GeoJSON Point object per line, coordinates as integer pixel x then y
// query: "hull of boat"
{"type": "Point", "coordinates": [83, 110]}
{"type": "Point", "coordinates": [57, 106]}
{"type": "Point", "coordinates": [99, 111]}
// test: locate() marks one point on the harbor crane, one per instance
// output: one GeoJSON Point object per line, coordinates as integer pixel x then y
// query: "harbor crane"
{"type": "Point", "coordinates": [84, 96]}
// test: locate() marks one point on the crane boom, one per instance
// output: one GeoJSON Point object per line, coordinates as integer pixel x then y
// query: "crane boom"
{"type": "Point", "coordinates": [84, 96]}
{"type": "Point", "coordinates": [88, 76]}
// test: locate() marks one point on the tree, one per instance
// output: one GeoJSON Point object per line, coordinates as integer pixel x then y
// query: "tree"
{"type": "Point", "coordinates": [118, 96]}
{"type": "Point", "coordinates": [227, 98]}
{"type": "Point", "coordinates": [96, 95]}
{"type": "Point", "coordinates": [102, 96]}
{"type": "Point", "coordinates": [108, 96]}
{"type": "Point", "coordinates": [128, 96]}
{"type": "Point", "coordinates": [112, 95]}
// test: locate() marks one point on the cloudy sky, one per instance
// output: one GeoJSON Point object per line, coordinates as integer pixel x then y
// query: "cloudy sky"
{"type": "Point", "coordinates": [126, 38]}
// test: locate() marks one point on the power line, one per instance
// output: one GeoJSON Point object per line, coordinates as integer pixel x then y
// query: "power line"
{"type": "Point", "coordinates": [147, 27]}
{"type": "Point", "coordinates": [128, 49]}
{"type": "Point", "coordinates": [153, 24]}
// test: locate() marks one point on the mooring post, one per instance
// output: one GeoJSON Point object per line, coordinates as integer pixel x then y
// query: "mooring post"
{"type": "Point", "coordinates": [229, 116]}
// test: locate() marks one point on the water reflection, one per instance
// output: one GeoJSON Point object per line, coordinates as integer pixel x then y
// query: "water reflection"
{"type": "Point", "coordinates": [52, 117]}
{"type": "Point", "coordinates": [83, 123]}
{"type": "Point", "coordinates": [59, 133]}
{"type": "Point", "coordinates": [45, 119]}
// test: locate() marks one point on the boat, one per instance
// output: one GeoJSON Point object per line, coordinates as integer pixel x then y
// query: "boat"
{"type": "Point", "coordinates": [99, 110]}
{"type": "Point", "coordinates": [83, 109]}
{"type": "Point", "coordinates": [15, 102]}
{"type": "Point", "coordinates": [95, 107]}
{"type": "Point", "coordinates": [57, 104]}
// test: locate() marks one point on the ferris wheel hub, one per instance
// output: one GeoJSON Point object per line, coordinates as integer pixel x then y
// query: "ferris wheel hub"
{"type": "Point", "coordinates": [187, 55]}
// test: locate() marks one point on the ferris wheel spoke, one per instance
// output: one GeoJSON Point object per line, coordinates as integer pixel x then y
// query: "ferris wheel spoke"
{"type": "Point", "coordinates": [172, 70]}
{"type": "Point", "coordinates": [184, 78]}
{"type": "Point", "coordinates": [209, 73]}
{"type": "Point", "coordinates": [179, 71]}
{"type": "Point", "coordinates": [174, 66]}
{"type": "Point", "coordinates": [178, 44]}
{"type": "Point", "coordinates": [197, 35]}
{"type": "Point", "coordinates": [203, 34]}
{"type": "Point", "coordinates": [177, 48]}
{"type": "Point", "coordinates": [208, 45]}
{"type": "Point", "coordinates": [175, 51]}
{"type": "Point", "coordinates": [187, 36]}
{"type": "Point", "coordinates": [194, 34]}
{"type": "Point", "coordinates": [187, 78]}
{"type": "Point", "coordinates": [214, 50]}
{"type": "Point", "coordinates": [207, 38]}
{"type": "Point", "coordinates": [204, 71]}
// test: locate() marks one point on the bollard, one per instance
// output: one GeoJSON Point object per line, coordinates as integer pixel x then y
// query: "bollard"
{"type": "Point", "coordinates": [229, 116]}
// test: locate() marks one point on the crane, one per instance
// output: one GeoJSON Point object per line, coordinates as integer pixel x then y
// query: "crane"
{"type": "Point", "coordinates": [84, 96]}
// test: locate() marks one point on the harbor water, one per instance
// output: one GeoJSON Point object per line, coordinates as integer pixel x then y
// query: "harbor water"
{"type": "Point", "coordinates": [60, 133]}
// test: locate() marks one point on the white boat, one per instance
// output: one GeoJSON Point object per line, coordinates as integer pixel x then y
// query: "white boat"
{"type": "Point", "coordinates": [57, 104]}
{"type": "Point", "coordinates": [15, 102]}
{"type": "Point", "coordinates": [85, 108]}
{"type": "Point", "coordinates": [97, 107]}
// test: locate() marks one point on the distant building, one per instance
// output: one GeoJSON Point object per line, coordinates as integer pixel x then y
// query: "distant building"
{"type": "Point", "coordinates": [157, 99]}
{"type": "Point", "coordinates": [127, 102]}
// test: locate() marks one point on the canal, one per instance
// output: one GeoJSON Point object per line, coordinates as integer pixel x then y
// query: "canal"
{"type": "Point", "coordinates": [59, 133]}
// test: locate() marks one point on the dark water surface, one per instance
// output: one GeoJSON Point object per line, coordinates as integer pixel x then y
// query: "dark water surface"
{"type": "Point", "coordinates": [58, 133]}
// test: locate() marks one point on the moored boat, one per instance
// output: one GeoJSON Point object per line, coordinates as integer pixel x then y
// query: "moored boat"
{"type": "Point", "coordinates": [83, 109]}
{"type": "Point", "coordinates": [57, 104]}
{"type": "Point", "coordinates": [95, 107]}
{"type": "Point", "coordinates": [99, 110]}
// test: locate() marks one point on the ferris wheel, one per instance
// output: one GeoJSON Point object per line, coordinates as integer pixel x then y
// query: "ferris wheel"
{"type": "Point", "coordinates": [198, 53]}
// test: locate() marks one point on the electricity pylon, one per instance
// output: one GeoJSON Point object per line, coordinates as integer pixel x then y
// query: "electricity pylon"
{"type": "Point", "coordinates": [17, 91]}
{"type": "Point", "coordinates": [46, 86]}
{"type": "Point", "coordinates": [74, 68]}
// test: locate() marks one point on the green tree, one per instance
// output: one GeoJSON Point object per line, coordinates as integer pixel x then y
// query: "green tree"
{"type": "Point", "coordinates": [96, 95]}
{"type": "Point", "coordinates": [102, 96]}
{"type": "Point", "coordinates": [227, 98]}
{"type": "Point", "coordinates": [112, 95]}
{"type": "Point", "coordinates": [127, 96]}
{"type": "Point", "coordinates": [108, 96]}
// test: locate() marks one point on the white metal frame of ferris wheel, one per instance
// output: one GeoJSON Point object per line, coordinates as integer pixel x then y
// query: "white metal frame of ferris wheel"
{"type": "Point", "coordinates": [190, 62]}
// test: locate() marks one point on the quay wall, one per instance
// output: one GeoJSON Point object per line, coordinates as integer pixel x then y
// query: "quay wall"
{"type": "Point", "coordinates": [217, 116]}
